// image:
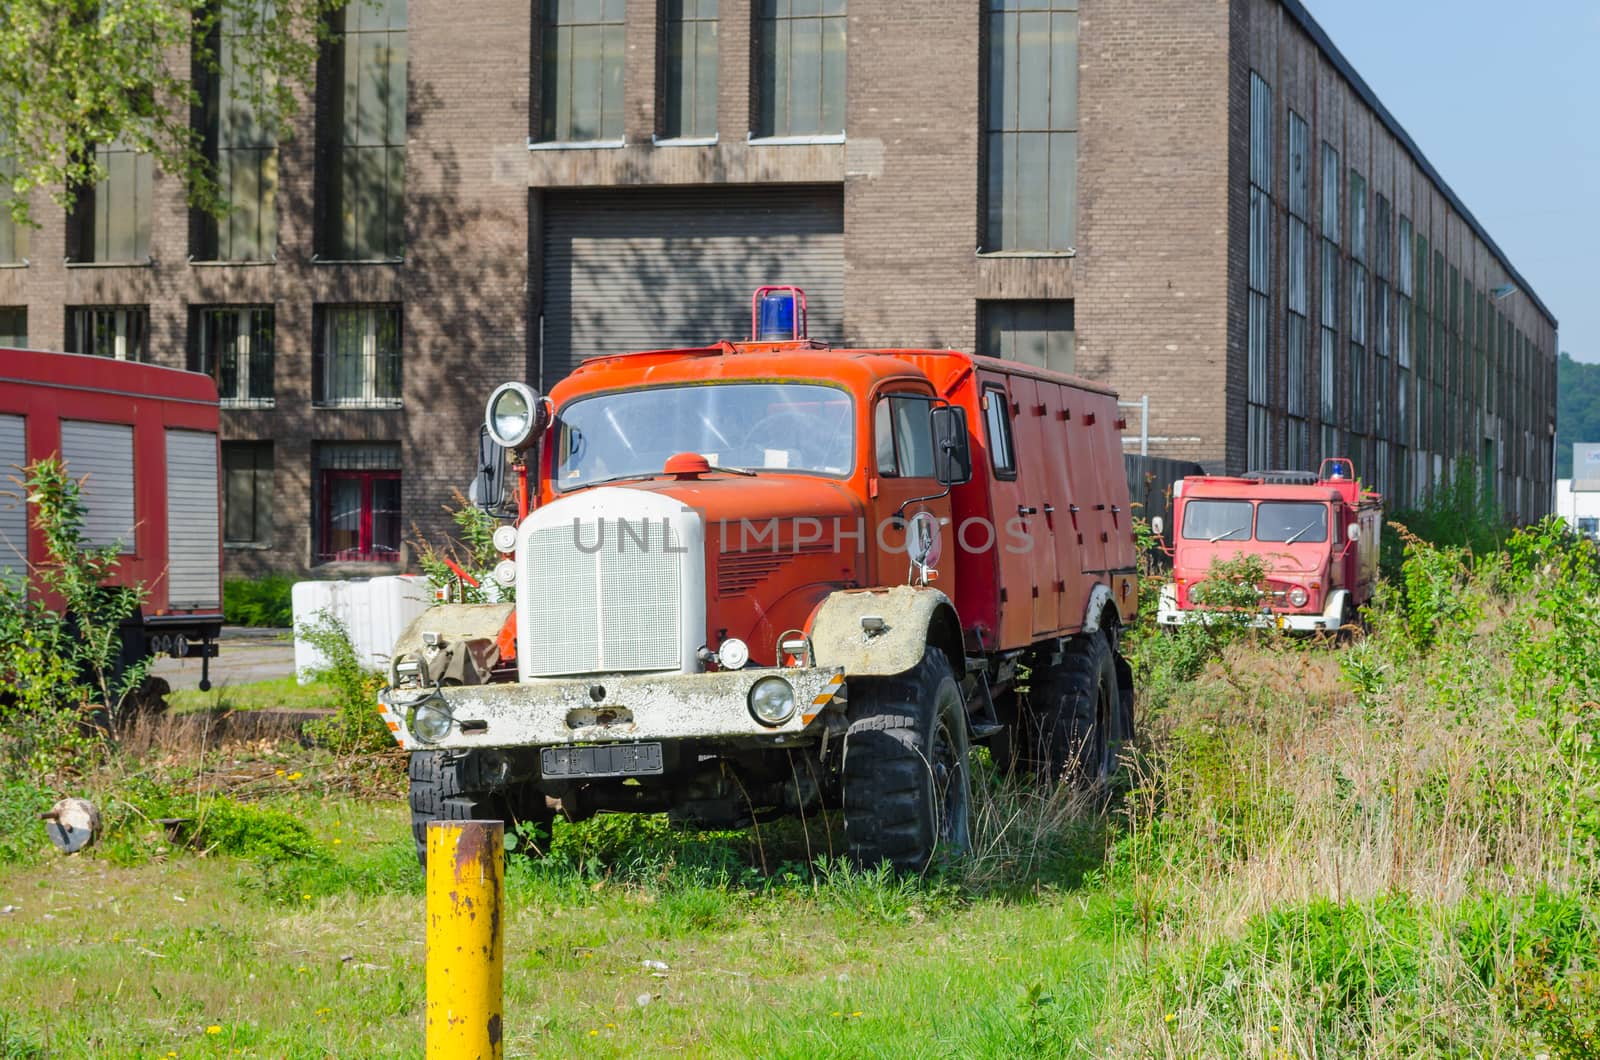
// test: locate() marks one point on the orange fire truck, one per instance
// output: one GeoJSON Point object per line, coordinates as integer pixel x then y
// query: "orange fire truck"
{"type": "Point", "coordinates": [757, 578]}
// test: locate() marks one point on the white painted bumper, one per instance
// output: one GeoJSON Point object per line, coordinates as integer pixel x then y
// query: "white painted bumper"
{"type": "Point", "coordinates": [1169, 614]}
{"type": "Point", "coordinates": [554, 711]}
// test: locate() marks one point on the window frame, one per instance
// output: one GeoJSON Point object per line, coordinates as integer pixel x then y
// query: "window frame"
{"type": "Point", "coordinates": [363, 552]}
{"type": "Point", "coordinates": [890, 399]}
{"type": "Point", "coordinates": [75, 339]}
{"type": "Point", "coordinates": [321, 364]}
{"type": "Point", "coordinates": [249, 367]}
{"type": "Point", "coordinates": [611, 69]}
{"type": "Point", "coordinates": [337, 240]}
{"type": "Point", "coordinates": [261, 507]}
{"type": "Point", "coordinates": [766, 126]}
{"type": "Point", "coordinates": [989, 392]}
{"type": "Point", "coordinates": [688, 71]}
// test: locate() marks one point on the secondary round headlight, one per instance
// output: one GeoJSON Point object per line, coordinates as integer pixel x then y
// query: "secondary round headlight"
{"type": "Point", "coordinates": [772, 701]}
{"type": "Point", "coordinates": [1298, 596]}
{"type": "Point", "coordinates": [431, 720]}
{"type": "Point", "coordinates": [505, 538]}
{"type": "Point", "coordinates": [733, 653]}
{"type": "Point", "coordinates": [512, 414]}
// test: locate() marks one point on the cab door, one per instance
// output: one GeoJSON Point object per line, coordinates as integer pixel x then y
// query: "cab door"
{"type": "Point", "coordinates": [1035, 510]}
{"type": "Point", "coordinates": [902, 454]}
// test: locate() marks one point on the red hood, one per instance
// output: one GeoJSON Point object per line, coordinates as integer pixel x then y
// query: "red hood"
{"type": "Point", "coordinates": [1192, 559]}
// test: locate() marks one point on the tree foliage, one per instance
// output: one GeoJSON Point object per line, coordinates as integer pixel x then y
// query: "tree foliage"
{"type": "Point", "coordinates": [79, 73]}
{"type": "Point", "coordinates": [1577, 408]}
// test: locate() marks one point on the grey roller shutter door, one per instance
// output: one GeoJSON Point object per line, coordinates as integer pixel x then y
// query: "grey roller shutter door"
{"type": "Point", "coordinates": [647, 269]}
{"type": "Point", "coordinates": [13, 506]}
{"type": "Point", "coordinates": [104, 452]}
{"type": "Point", "coordinates": [193, 550]}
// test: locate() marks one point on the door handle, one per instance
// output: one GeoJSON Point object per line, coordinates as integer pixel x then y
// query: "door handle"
{"type": "Point", "coordinates": [1049, 509]}
{"type": "Point", "coordinates": [1023, 509]}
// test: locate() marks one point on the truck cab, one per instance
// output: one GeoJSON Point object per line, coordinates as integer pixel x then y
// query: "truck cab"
{"type": "Point", "coordinates": [1315, 534]}
{"type": "Point", "coordinates": [769, 576]}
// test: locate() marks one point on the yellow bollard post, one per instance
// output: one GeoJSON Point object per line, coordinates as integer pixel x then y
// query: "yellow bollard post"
{"type": "Point", "coordinates": [465, 952]}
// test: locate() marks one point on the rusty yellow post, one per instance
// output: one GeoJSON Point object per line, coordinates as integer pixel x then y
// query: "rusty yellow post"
{"type": "Point", "coordinates": [465, 872]}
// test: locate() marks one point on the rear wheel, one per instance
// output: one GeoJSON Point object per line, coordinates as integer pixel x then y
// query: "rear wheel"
{"type": "Point", "coordinates": [1079, 715]}
{"type": "Point", "coordinates": [447, 787]}
{"type": "Point", "coordinates": [907, 787]}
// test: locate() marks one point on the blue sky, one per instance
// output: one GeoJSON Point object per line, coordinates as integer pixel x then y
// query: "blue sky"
{"type": "Point", "coordinates": [1505, 101]}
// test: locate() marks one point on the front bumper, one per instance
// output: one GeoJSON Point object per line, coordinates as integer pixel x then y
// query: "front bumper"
{"type": "Point", "coordinates": [1330, 620]}
{"type": "Point", "coordinates": [548, 712]}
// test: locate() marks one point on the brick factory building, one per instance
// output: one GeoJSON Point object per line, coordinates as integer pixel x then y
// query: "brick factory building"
{"type": "Point", "coordinates": [1199, 204]}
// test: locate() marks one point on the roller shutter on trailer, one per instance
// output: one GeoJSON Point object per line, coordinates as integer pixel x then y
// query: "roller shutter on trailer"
{"type": "Point", "coordinates": [13, 506]}
{"type": "Point", "coordinates": [645, 269]}
{"type": "Point", "coordinates": [193, 548]}
{"type": "Point", "coordinates": [103, 452]}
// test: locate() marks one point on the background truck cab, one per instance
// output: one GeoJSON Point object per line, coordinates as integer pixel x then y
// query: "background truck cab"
{"type": "Point", "coordinates": [1316, 536]}
{"type": "Point", "coordinates": [766, 577]}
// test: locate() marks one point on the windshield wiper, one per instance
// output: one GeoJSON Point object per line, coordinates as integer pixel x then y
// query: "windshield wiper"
{"type": "Point", "coordinates": [1226, 533]}
{"type": "Point", "coordinates": [1292, 538]}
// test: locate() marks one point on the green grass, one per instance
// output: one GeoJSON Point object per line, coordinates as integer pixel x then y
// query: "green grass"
{"type": "Point", "coordinates": [277, 692]}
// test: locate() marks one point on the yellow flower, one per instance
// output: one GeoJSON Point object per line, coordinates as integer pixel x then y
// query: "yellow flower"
{"type": "Point", "coordinates": [611, 1026]}
{"type": "Point", "coordinates": [305, 897]}
{"type": "Point", "coordinates": [853, 1015]}
{"type": "Point", "coordinates": [1170, 1017]}
{"type": "Point", "coordinates": [280, 772]}
{"type": "Point", "coordinates": [296, 775]}
{"type": "Point", "coordinates": [1273, 1029]}
{"type": "Point", "coordinates": [337, 840]}
{"type": "Point", "coordinates": [594, 1034]}
{"type": "Point", "coordinates": [213, 1029]}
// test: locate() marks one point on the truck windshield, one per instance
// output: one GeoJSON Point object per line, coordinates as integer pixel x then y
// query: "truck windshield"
{"type": "Point", "coordinates": [775, 426]}
{"type": "Point", "coordinates": [1216, 521]}
{"type": "Point", "coordinates": [1291, 521]}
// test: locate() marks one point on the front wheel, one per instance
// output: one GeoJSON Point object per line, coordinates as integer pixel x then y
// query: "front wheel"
{"type": "Point", "coordinates": [447, 787]}
{"type": "Point", "coordinates": [906, 775]}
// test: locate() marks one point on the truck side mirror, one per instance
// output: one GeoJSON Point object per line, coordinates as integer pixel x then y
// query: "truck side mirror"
{"type": "Point", "coordinates": [952, 451]}
{"type": "Point", "coordinates": [488, 489]}
{"type": "Point", "coordinates": [1158, 526]}
{"type": "Point", "coordinates": [1353, 531]}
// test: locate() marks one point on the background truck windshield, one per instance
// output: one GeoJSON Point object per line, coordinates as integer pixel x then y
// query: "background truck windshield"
{"type": "Point", "coordinates": [1290, 521]}
{"type": "Point", "coordinates": [1216, 521]}
{"type": "Point", "coordinates": [787, 426]}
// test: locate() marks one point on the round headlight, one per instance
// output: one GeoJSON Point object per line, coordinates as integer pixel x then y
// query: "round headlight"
{"type": "Point", "coordinates": [505, 539]}
{"type": "Point", "coordinates": [512, 414]}
{"type": "Point", "coordinates": [733, 654]}
{"type": "Point", "coordinates": [505, 572]}
{"type": "Point", "coordinates": [772, 701]}
{"type": "Point", "coordinates": [1298, 597]}
{"type": "Point", "coordinates": [430, 721]}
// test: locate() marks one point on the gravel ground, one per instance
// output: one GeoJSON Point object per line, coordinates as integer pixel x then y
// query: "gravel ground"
{"type": "Point", "coordinates": [247, 655]}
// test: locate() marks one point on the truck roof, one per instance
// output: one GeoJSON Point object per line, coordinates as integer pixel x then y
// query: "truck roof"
{"type": "Point", "coordinates": [788, 360]}
{"type": "Point", "coordinates": [1241, 487]}
{"type": "Point", "coordinates": [105, 375]}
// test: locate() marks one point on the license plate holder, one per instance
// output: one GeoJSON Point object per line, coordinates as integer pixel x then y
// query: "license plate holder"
{"type": "Point", "coordinates": [604, 760]}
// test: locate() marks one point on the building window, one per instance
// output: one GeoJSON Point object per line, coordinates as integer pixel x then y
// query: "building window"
{"type": "Point", "coordinates": [357, 361]}
{"type": "Point", "coordinates": [1404, 336]}
{"type": "Point", "coordinates": [364, 134]}
{"type": "Point", "coordinates": [1036, 333]}
{"type": "Point", "coordinates": [1031, 128]}
{"type": "Point", "coordinates": [691, 69]}
{"type": "Point", "coordinates": [1297, 440]}
{"type": "Point", "coordinates": [1328, 407]}
{"type": "Point", "coordinates": [1441, 356]}
{"type": "Point", "coordinates": [111, 220]}
{"type": "Point", "coordinates": [234, 346]}
{"type": "Point", "coordinates": [1258, 342]}
{"type": "Point", "coordinates": [241, 149]}
{"type": "Point", "coordinates": [802, 67]}
{"type": "Point", "coordinates": [121, 332]}
{"type": "Point", "coordinates": [14, 327]}
{"type": "Point", "coordinates": [247, 494]}
{"type": "Point", "coordinates": [13, 236]}
{"type": "Point", "coordinates": [1356, 374]}
{"type": "Point", "coordinates": [581, 70]}
{"type": "Point", "coordinates": [358, 502]}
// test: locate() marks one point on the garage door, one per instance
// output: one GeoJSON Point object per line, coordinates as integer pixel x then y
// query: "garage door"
{"type": "Point", "coordinates": [643, 269]}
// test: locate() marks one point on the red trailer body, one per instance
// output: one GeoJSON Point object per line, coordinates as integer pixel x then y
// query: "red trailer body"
{"type": "Point", "coordinates": [144, 441]}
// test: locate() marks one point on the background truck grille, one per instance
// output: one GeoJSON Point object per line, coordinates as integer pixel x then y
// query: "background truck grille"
{"type": "Point", "coordinates": [608, 611]}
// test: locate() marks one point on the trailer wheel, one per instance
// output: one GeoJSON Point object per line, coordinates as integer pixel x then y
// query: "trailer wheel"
{"type": "Point", "coordinates": [906, 771]}
{"type": "Point", "coordinates": [1079, 714]}
{"type": "Point", "coordinates": [449, 788]}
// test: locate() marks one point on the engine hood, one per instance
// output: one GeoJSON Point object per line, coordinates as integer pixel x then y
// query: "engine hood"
{"type": "Point", "coordinates": [723, 498]}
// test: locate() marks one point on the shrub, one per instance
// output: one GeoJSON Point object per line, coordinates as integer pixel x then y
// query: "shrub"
{"type": "Point", "coordinates": [473, 553]}
{"type": "Point", "coordinates": [266, 601]}
{"type": "Point", "coordinates": [355, 726]}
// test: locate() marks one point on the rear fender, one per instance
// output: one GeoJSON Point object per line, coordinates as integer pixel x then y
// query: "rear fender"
{"type": "Point", "coordinates": [913, 617]}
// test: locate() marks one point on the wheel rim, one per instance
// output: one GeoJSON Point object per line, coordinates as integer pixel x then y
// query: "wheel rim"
{"type": "Point", "coordinates": [950, 790]}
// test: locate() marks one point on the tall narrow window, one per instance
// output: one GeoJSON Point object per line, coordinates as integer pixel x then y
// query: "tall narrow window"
{"type": "Point", "coordinates": [13, 236]}
{"type": "Point", "coordinates": [1329, 347]}
{"type": "Point", "coordinates": [1258, 423]}
{"type": "Point", "coordinates": [234, 346]}
{"type": "Point", "coordinates": [1405, 401]}
{"type": "Point", "coordinates": [581, 70]}
{"type": "Point", "coordinates": [111, 220]}
{"type": "Point", "coordinates": [691, 69]}
{"type": "Point", "coordinates": [119, 332]}
{"type": "Point", "coordinates": [1356, 372]}
{"type": "Point", "coordinates": [14, 327]}
{"type": "Point", "coordinates": [1422, 339]}
{"type": "Point", "coordinates": [241, 149]}
{"type": "Point", "coordinates": [357, 360]}
{"type": "Point", "coordinates": [1036, 333]}
{"type": "Point", "coordinates": [1297, 437]}
{"type": "Point", "coordinates": [1031, 125]}
{"type": "Point", "coordinates": [247, 494]}
{"type": "Point", "coordinates": [802, 67]}
{"type": "Point", "coordinates": [358, 502]}
{"type": "Point", "coordinates": [1441, 358]}
{"type": "Point", "coordinates": [365, 134]}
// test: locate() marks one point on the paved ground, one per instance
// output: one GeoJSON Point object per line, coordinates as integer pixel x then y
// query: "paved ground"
{"type": "Point", "coordinates": [247, 655]}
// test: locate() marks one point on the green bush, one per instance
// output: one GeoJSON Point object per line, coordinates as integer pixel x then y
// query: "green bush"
{"type": "Point", "coordinates": [356, 727]}
{"type": "Point", "coordinates": [263, 601]}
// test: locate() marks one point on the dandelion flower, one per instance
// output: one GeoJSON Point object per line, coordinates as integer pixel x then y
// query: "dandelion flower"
{"type": "Point", "coordinates": [1272, 1029]}
{"type": "Point", "coordinates": [853, 1015]}
{"type": "Point", "coordinates": [1170, 1017]}
{"type": "Point", "coordinates": [305, 897]}
{"type": "Point", "coordinates": [337, 840]}
{"type": "Point", "coordinates": [213, 1029]}
{"type": "Point", "coordinates": [296, 775]}
{"type": "Point", "coordinates": [594, 1034]}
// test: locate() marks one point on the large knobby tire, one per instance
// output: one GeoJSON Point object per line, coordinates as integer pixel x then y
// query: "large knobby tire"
{"type": "Point", "coordinates": [450, 788]}
{"type": "Point", "coordinates": [1079, 715]}
{"type": "Point", "coordinates": [906, 772]}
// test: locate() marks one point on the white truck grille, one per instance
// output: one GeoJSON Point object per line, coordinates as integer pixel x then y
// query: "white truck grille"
{"type": "Point", "coordinates": [616, 608]}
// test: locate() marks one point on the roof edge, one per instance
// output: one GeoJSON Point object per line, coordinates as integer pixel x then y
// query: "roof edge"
{"type": "Point", "coordinates": [1297, 11]}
